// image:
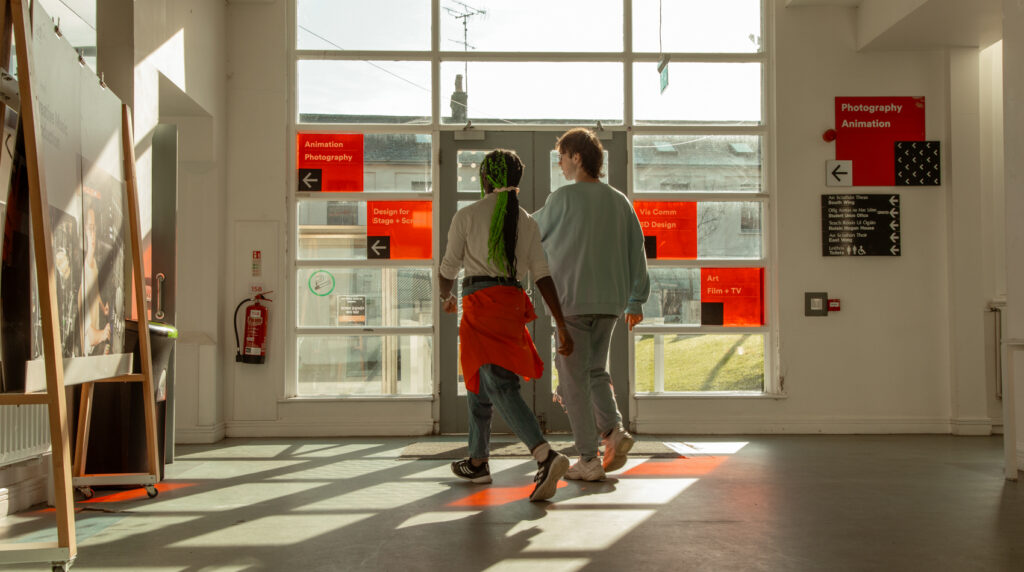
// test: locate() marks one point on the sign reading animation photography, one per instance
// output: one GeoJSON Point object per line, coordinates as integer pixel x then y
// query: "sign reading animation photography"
{"type": "Point", "coordinates": [330, 162]}
{"type": "Point", "coordinates": [398, 230]}
{"type": "Point", "coordinates": [80, 154]}
{"type": "Point", "coordinates": [867, 129]}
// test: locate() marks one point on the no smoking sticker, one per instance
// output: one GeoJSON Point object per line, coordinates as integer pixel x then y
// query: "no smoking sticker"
{"type": "Point", "coordinates": [321, 283]}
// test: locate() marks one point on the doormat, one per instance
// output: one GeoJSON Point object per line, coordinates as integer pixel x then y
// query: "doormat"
{"type": "Point", "coordinates": [507, 449]}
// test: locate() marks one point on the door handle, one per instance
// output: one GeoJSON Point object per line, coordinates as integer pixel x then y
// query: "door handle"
{"type": "Point", "coordinates": [159, 314]}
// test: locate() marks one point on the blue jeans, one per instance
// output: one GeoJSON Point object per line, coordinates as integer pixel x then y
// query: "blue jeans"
{"type": "Point", "coordinates": [499, 388]}
{"type": "Point", "coordinates": [584, 385]}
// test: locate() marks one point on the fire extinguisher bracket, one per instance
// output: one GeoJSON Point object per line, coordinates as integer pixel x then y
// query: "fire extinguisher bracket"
{"type": "Point", "coordinates": [253, 348]}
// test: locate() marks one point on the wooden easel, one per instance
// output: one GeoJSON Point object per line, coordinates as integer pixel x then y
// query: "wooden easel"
{"type": "Point", "coordinates": [15, 14]}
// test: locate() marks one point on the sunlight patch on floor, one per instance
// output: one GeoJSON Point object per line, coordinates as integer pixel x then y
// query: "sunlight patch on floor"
{"type": "Point", "coordinates": [634, 492]}
{"type": "Point", "coordinates": [437, 518]}
{"type": "Point", "coordinates": [383, 496]}
{"type": "Point", "coordinates": [560, 531]}
{"type": "Point", "coordinates": [706, 447]}
{"type": "Point", "coordinates": [233, 469]}
{"type": "Point", "coordinates": [342, 470]}
{"type": "Point", "coordinates": [225, 498]}
{"type": "Point", "coordinates": [533, 565]}
{"type": "Point", "coordinates": [278, 530]}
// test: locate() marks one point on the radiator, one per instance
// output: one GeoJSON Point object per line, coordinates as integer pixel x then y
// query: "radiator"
{"type": "Point", "coordinates": [24, 432]}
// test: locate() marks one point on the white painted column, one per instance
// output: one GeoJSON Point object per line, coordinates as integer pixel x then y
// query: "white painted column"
{"type": "Point", "coordinates": [1013, 136]}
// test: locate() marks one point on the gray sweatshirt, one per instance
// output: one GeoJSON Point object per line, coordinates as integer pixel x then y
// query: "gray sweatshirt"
{"type": "Point", "coordinates": [595, 250]}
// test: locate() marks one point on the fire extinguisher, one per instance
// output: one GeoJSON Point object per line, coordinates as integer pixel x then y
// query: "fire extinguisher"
{"type": "Point", "coordinates": [256, 316]}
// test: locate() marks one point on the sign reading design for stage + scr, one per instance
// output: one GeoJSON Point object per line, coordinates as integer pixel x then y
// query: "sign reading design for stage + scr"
{"type": "Point", "coordinates": [398, 230]}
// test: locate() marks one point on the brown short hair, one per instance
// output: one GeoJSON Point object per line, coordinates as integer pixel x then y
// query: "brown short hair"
{"type": "Point", "coordinates": [588, 145]}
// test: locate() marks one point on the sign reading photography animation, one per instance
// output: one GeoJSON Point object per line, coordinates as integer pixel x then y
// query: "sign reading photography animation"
{"type": "Point", "coordinates": [398, 230]}
{"type": "Point", "coordinates": [330, 162]}
{"type": "Point", "coordinates": [867, 130]}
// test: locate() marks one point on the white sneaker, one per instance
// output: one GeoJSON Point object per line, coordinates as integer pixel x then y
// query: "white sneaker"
{"type": "Point", "coordinates": [586, 470]}
{"type": "Point", "coordinates": [616, 445]}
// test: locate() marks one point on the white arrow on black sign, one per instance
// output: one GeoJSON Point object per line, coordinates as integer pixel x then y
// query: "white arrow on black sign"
{"type": "Point", "coordinates": [308, 180]}
{"type": "Point", "coordinates": [378, 247]}
{"type": "Point", "coordinates": [894, 250]}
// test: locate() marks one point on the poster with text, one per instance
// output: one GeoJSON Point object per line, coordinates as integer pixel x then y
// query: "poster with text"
{"type": "Point", "coordinates": [867, 129]}
{"type": "Point", "coordinates": [399, 230]}
{"type": "Point", "coordinates": [330, 162]}
{"type": "Point", "coordinates": [732, 296]}
{"type": "Point", "coordinates": [670, 229]}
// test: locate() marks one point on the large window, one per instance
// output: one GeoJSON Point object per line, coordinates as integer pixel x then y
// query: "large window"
{"type": "Point", "coordinates": [685, 79]}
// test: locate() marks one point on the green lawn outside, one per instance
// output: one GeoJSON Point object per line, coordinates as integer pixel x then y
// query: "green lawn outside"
{"type": "Point", "coordinates": [706, 362]}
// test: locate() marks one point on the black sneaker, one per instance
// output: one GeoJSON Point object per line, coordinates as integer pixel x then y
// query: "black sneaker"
{"type": "Point", "coordinates": [464, 469]}
{"type": "Point", "coordinates": [548, 474]}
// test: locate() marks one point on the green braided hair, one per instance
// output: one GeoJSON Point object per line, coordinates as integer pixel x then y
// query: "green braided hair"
{"type": "Point", "coordinates": [502, 168]}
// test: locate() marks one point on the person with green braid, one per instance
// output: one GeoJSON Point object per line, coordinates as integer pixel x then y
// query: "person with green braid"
{"type": "Point", "coordinates": [498, 244]}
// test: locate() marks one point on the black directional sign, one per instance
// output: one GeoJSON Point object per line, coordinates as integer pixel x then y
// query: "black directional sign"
{"type": "Point", "coordinates": [310, 179]}
{"type": "Point", "coordinates": [378, 247]}
{"type": "Point", "coordinates": [918, 164]}
{"type": "Point", "coordinates": [860, 225]}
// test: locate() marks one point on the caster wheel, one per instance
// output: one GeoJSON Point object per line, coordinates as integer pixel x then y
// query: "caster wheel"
{"type": "Point", "coordinates": [87, 492]}
{"type": "Point", "coordinates": [151, 491]}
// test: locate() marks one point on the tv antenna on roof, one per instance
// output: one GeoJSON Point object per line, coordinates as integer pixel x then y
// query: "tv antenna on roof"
{"type": "Point", "coordinates": [464, 12]}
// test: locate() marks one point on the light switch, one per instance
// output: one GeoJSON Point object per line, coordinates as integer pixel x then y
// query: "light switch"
{"type": "Point", "coordinates": [815, 303]}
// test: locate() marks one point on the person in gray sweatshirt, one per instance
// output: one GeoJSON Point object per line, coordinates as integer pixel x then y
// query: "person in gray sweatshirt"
{"type": "Point", "coordinates": [595, 250]}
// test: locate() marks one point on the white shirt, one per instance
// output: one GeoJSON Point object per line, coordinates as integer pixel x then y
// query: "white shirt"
{"type": "Point", "coordinates": [467, 244]}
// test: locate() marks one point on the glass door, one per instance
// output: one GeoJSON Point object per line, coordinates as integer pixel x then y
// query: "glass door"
{"type": "Point", "coordinates": [460, 155]}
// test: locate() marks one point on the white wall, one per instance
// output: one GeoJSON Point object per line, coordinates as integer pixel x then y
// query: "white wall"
{"type": "Point", "coordinates": [1013, 119]}
{"type": "Point", "coordinates": [167, 59]}
{"type": "Point", "coordinates": [891, 359]}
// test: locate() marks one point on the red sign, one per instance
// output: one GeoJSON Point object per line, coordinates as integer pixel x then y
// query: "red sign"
{"type": "Point", "coordinates": [330, 161]}
{"type": "Point", "coordinates": [867, 129]}
{"type": "Point", "coordinates": [732, 296]}
{"type": "Point", "coordinates": [399, 230]}
{"type": "Point", "coordinates": [670, 229]}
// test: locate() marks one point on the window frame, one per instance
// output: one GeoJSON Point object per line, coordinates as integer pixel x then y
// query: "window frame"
{"type": "Point", "coordinates": [764, 128]}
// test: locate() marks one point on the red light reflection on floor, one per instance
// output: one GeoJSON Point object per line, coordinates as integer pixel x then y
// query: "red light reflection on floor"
{"type": "Point", "coordinates": [678, 467]}
{"type": "Point", "coordinates": [123, 496]}
{"type": "Point", "coordinates": [497, 496]}
{"type": "Point", "coordinates": [135, 494]}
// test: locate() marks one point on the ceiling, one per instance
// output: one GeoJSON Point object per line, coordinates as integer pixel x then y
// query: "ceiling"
{"type": "Point", "coordinates": [931, 24]}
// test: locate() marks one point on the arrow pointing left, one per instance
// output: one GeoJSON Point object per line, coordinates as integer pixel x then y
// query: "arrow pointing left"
{"type": "Point", "coordinates": [308, 180]}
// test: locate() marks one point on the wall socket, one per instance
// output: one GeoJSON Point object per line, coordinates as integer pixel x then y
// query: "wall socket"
{"type": "Point", "coordinates": [815, 303]}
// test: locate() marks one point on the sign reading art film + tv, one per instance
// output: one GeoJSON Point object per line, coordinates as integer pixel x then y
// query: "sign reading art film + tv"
{"type": "Point", "coordinates": [732, 296]}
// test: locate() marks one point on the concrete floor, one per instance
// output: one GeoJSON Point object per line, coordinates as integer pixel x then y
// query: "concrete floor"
{"type": "Point", "coordinates": [879, 503]}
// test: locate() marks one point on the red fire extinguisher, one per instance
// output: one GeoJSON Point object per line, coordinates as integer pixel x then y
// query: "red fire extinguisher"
{"type": "Point", "coordinates": [254, 349]}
